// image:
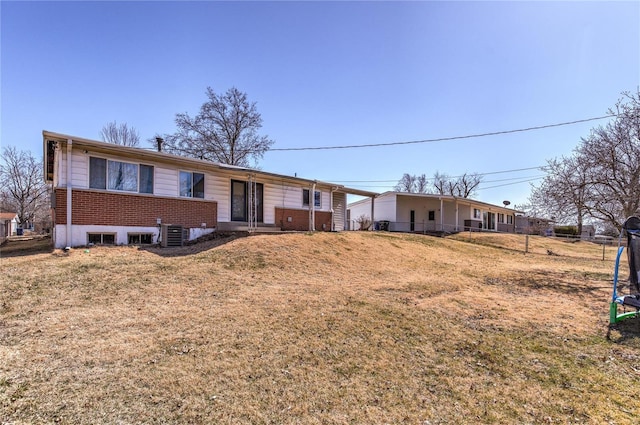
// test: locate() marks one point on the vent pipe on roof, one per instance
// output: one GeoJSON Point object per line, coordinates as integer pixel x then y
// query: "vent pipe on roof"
{"type": "Point", "coordinates": [159, 141]}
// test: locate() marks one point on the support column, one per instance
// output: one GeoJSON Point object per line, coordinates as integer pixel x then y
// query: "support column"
{"type": "Point", "coordinates": [372, 211]}
{"type": "Point", "coordinates": [457, 228]}
{"type": "Point", "coordinates": [312, 203]}
{"type": "Point", "coordinates": [69, 197]}
{"type": "Point", "coordinates": [441, 215]}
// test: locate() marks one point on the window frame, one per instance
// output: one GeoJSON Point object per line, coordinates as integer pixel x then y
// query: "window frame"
{"type": "Point", "coordinates": [477, 214]}
{"type": "Point", "coordinates": [317, 198]}
{"type": "Point", "coordinates": [102, 235]}
{"type": "Point", "coordinates": [191, 192]}
{"type": "Point", "coordinates": [139, 235]}
{"type": "Point", "coordinates": [104, 183]}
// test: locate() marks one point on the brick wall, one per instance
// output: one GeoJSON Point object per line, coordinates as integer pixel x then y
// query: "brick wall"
{"type": "Point", "coordinates": [116, 209]}
{"type": "Point", "coordinates": [300, 219]}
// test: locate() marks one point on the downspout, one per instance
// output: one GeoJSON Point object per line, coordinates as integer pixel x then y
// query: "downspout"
{"type": "Point", "coordinates": [457, 217]}
{"type": "Point", "coordinates": [69, 188]}
{"type": "Point", "coordinates": [441, 215]}
{"type": "Point", "coordinates": [333, 225]}
{"type": "Point", "coordinates": [312, 203]}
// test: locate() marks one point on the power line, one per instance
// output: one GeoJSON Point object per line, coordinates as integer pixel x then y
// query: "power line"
{"type": "Point", "coordinates": [443, 139]}
{"type": "Point", "coordinates": [509, 184]}
{"type": "Point", "coordinates": [527, 179]}
{"type": "Point", "coordinates": [541, 167]}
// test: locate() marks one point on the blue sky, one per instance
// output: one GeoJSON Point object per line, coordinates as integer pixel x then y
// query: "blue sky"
{"type": "Point", "coordinates": [330, 73]}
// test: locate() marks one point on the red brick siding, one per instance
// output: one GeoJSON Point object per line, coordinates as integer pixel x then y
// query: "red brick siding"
{"type": "Point", "coordinates": [116, 209]}
{"type": "Point", "coordinates": [300, 219]}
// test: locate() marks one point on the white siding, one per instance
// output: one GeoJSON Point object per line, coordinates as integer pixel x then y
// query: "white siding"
{"type": "Point", "coordinates": [339, 210]}
{"type": "Point", "coordinates": [165, 182]}
{"type": "Point", "coordinates": [218, 188]}
{"type": "Point", "coordinates": [325, 203]}
{"type": "Point", "coordinates": [79, 169]}
{"type": "Point", "coordinates": [272, 198]}
{"type": "Point", "coordinates": [292, 196]}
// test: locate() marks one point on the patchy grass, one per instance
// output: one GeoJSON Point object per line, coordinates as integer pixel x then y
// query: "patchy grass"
{"type": "Point", "coordinates": [322, 328]}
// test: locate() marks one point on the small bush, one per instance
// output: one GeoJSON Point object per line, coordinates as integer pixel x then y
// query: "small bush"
{"type": "Point", "coordinates": [364, 221]}
{"type": "Point", "coordinates": [566, 230]}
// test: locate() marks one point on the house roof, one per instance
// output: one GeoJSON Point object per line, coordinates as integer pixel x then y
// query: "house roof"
{"type": "Point", "coordinates": [467, 201]}
{"type": "Point", "coordinates": [8, 216]}
{"type": "Point", "coordinates": [163, 157]}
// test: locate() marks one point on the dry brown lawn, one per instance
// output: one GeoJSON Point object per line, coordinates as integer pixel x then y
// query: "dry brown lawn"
{"type": "Point", "coordinates": [323, 328]}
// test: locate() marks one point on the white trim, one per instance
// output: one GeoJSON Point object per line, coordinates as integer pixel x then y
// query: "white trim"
{"type": "Point", "coordinates": [69, 197]}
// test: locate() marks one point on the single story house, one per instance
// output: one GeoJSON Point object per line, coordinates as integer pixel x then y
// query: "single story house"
{"type": "Point", "coordinates": [419, 212]}
{"type": "Point", "coordinates": [529, 225]}
{"type": "Point", "coordinates": [8, 224]}
{"type": "Point", "coordinates": [104, 193]}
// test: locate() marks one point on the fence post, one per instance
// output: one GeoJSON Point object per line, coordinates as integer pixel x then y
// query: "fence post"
{"type": "Point", "coordinates": [603, 245]}
{"type": "Point", "coordinates": [526, 244]}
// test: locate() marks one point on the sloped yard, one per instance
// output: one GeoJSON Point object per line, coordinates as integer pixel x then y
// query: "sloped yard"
{"type": "Point", "coordinates": [317, 328]}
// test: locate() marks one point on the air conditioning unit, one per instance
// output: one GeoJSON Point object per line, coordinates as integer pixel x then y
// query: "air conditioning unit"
{"type": "Point", "coordinates": [171, 235]}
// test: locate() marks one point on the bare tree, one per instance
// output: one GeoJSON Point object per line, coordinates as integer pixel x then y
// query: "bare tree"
{"type": "Point", "coordinates": [601, 180]}
{"type": "Point", "coordinates": [225, 130]}
{"type": "Point", "coordinates": [406, 183]}
{"type": "Point", "coordinates": [120, 134]}
{"type": "Point", "coordinates": [610, 156]}
{"type": "Point", "coordinates": [22, 185]}
{"type": "Point", "coordinates": [467, 184]}
{"type": "Point", "coordinates": [412, 184]}
{"type": "Point", "coordinates": [564, 192]}
{"type": "Point", "coordinates": [463, 186]}
{"type": "Point", "coordinates": [421, 184]}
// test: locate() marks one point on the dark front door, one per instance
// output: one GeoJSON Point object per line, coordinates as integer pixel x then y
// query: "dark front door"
{"type": "Point", "coordinates": [412, 221]}
{"type": "Point", "coordinates": [240, 201]}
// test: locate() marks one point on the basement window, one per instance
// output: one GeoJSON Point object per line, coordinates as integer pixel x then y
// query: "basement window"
{"type": "Point", "coordinates": [101, 238]}
{"type": "Point", "coordinates": [139, 238]}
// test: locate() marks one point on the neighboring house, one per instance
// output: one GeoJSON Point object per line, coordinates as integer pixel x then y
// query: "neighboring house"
{"type": "Point", "coordinates": [8, 224]}
{"type": "Point", "coordinates": [111, 194]}
{"type": "Point", "coordinates": [418, 212]}
{"type": "Point", "coordinates": [588, 232]}
{"type": "Point", "coordinates": [534, 226]}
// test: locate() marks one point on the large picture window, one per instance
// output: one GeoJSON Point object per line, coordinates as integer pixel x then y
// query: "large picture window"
{"type": "Point", "coordinates": [117, 175]}
{"type": "Point", "coordinates": [191, 184]}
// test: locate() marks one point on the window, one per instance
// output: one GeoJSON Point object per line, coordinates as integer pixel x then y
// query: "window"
{"type": "Point", "coordinates": [146, 178]}
{"type": "Point", "coordinates": [500, 218]}
{"type": "Point", "coordinates": [117, 175]}
{"type": "Point", "coordinates": [432, 215]}
{"type": "Point", "coordinates": [101, 238]}
{"type": "Point", "coordinates": [317, 198]}
{"type": "Point", "coordinates": [509, 219]}
{"type": "Point", "coordinates": [476, 213]}
{"type": "Point", "coordinates": [122, 176]}
{"type": "Point", "coordinates": [97, 173]}
{"type": "Point", "coordinates": [139, 238]}
{"type": "Point", "coordinates": [191, 184]}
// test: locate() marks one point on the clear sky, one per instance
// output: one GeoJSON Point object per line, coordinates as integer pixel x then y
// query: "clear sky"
{"type": "Point", "coordinates": [330, 73]}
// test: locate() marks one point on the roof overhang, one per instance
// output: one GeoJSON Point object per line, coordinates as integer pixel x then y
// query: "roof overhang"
{"type": "Point", "coordinates": [450, 198]}
{"type": "Point", "coordinates": [198, 164]}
